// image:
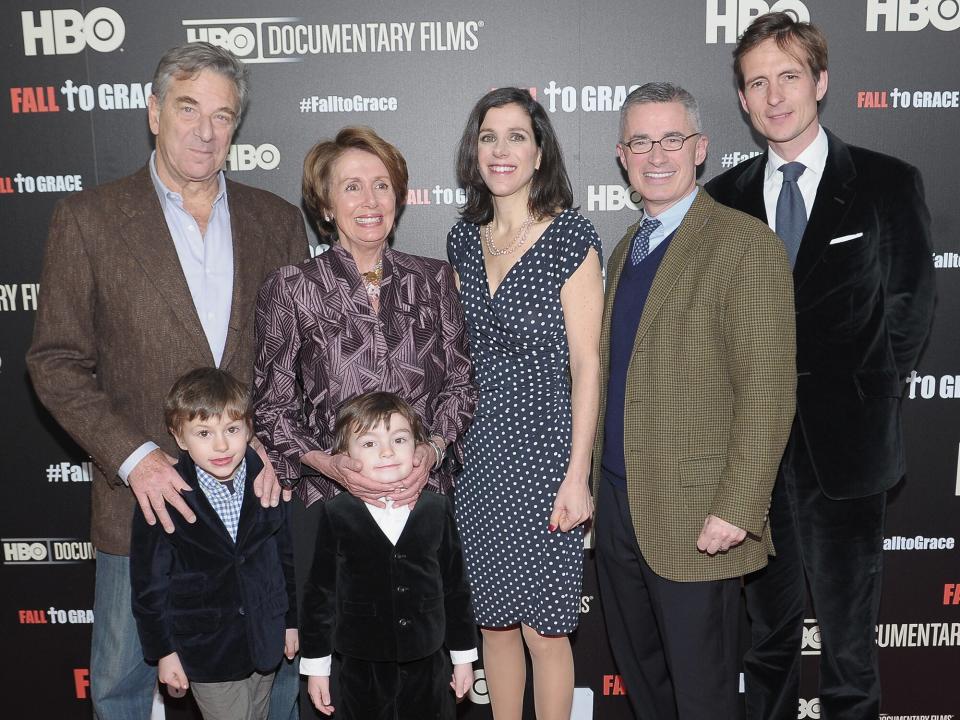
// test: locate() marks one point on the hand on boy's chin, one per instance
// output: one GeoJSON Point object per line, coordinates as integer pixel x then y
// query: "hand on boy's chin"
{"type": "Point", "coordinates": [410, 488]}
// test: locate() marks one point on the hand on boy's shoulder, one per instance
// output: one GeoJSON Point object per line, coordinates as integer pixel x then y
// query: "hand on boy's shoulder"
{"type": "Point", "coordinates": [156, 484]}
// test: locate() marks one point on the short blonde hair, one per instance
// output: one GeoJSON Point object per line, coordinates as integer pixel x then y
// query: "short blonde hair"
{"type": "Point", "coordinates": [204, 393]}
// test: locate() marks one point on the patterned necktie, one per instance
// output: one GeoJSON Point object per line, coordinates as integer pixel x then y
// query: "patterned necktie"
{"type": "Point", "coordinates": [791, 212]}
{"type": "Point", "coordinates": [641, 241]}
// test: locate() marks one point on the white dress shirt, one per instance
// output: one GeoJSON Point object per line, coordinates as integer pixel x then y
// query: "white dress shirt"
{"type": "Point", "coordinates": [813, 158]}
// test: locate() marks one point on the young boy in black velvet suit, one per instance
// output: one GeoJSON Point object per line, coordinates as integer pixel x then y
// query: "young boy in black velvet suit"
{"type": "Point", "coordinates": [387, 590]}
{"type": "Point", "coordinates": [215, 600]}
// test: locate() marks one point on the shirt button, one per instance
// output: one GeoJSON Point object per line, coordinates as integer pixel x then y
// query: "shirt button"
{"type": "Point", "coordinates": [400, 556]}
{"type": "Point", "coordinates": [402, 588]}
{"type": "Point", "coordinates": [241, 610]}
{"type": "Point", "coordinates": [403, 622]}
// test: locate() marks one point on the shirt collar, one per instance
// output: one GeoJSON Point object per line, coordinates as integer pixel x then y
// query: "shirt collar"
{"type": "Point", "coordinates": [166, 195]}
{"type": "Point", "coordinates": [813, 157]}
{"type": "Point", "coordinates": [211, 484]}
{"type": "Point", "coordinates": [671, 218]}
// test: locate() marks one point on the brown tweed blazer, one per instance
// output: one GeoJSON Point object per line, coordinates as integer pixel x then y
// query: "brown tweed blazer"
{"type": "Point", "coordinates": [710, 390]}
{"type": "Point", "coordinates": [116, 324]}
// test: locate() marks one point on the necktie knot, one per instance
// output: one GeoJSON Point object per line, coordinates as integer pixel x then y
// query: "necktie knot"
{"type": "Point", "coordinates": [641, 241]}
{"type": "Point", "coordinates": [792, 171]}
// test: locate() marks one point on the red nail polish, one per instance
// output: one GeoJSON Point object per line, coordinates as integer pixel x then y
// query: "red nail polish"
{"type": "Point", "coordinates": [551, 528]}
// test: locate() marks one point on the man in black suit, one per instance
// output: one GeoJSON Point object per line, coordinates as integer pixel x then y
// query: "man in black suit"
{"type": "Point", "coordinates": [856, 228]}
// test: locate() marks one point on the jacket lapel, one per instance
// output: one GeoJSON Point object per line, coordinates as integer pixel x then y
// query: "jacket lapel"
{"type": "Point", "coordinates": [833, 200]}
{"type": "Point", "coordinates": [248, 509]}
{"type": "Point", "coordinates": [682, 247]}
{"type": "Point", "coordinates": [750, 190]}
{"type": "Point", "coordinates": [246, 231]}
{"type": "Point", "coordinates": [198, 502]}
{"type": "Point", "coordinates": [148, 239]}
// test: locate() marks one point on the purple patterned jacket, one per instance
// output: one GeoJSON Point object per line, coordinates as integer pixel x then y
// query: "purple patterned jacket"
{"type": "Point", "coordinates": [320, 344]}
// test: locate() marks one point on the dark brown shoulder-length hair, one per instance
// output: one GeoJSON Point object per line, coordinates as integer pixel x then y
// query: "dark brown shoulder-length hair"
{"type": "Point", "coordinates": [787, 33]}
{"type": "Point", "coordinates": [318, 169]}
{"type": "Point", "coordinates": [361, 413]}
{"type": "Point", "coordinates": [550, 190]}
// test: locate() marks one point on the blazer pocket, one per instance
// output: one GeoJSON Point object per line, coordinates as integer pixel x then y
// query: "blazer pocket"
{"type": "Point", "coordinates": [363, 609]}
{"type": "Point", "coordinates": [431, 604]}
{"type": "Point", "coordinates": [878, 383]}
{"type": "Point", "coordinates": [845, 238]}
{"type": "Point", "coordinates": [195, 622]}
{"type": "Point", "coordinates": [699, 478]}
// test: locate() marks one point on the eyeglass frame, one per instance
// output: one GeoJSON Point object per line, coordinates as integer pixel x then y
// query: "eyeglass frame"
{"type": "Point", "coordinates": [659, 142]}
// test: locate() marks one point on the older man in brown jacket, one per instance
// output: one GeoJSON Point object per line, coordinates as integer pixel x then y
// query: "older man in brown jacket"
{"type": "Point", "coordinates": [699, 370]}
{"type": "Point", "coordinates": [143, 280]}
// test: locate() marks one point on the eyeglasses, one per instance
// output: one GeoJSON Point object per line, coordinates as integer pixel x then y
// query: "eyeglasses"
{"type": "Point", "coordinates": [670, 143]}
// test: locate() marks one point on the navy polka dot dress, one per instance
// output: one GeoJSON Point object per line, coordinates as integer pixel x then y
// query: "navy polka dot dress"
{"type": "Point", "coordinates": [518, 447]}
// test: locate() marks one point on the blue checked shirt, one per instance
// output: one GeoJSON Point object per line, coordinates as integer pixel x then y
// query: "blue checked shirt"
{"type": "Point", "coordinates": [226, 504]}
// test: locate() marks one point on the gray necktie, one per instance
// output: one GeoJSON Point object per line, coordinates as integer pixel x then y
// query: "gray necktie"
{"type": "Point", "coordinates": [641, 240]}
{"type": "Point", "coordinates": [791, 212]}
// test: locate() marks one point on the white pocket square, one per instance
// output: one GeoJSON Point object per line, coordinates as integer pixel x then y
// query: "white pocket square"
{"type": "Point", "coordinates": [845, 238]}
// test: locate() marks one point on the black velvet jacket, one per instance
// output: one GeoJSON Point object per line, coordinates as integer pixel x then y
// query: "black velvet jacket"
{"type": "Point", "coordinates": [865, 291]}
{"type": "Point", "coordinates": [368, 599]}
{"type": "Point", "coordinates": [221, 606]}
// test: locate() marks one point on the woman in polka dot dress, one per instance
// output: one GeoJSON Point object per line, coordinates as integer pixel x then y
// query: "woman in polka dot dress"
{"type": "Point", "coordinates": [532, 294]}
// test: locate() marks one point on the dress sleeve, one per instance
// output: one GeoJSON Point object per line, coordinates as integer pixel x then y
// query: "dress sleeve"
{"type": "Point", "coordinates": [277, 394]}
{"type": "Point", "coordinates": [578, 237]}
{"type": "Point", "coordinates": [455, 245]}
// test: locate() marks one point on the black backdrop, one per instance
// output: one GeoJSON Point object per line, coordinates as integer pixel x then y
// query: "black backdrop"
{"type": "Point", "coordinates": [74, 81]}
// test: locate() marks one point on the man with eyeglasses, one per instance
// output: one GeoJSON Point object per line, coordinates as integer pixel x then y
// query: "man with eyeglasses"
{"type": "Point", "coordinates": [857, 230]}
{"type": "Point", "coordinates": [699, 378]}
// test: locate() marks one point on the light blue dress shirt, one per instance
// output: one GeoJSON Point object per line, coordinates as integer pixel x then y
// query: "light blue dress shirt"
{"type": "Point", "coordinates": [207, 264]}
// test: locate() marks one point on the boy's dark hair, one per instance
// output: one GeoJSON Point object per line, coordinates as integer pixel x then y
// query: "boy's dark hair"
{"type": "Point", "coordinates": [204, 393]}
{"type": "Point", "coordinates": [361, 413]}
{"type": "Point", "coordinates": [550, 190]}
{"type": "Point", "coordinates": [788, 33]}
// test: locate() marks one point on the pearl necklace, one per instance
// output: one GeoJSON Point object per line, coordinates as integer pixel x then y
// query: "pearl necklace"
{"type": "Point", "coordinates": [519, 240]}
{"type": "Point", "coordinates": [371, 280]}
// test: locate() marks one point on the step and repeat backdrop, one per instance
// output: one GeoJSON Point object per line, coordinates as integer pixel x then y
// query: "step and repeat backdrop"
{"type": "Point", "coordinates": [75, 77]}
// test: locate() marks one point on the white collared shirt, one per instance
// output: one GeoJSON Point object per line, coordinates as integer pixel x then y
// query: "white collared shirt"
{"type": "Point", "coordinates": [391, 520]}
{"type": "Point", "coordinates": [814, 159]}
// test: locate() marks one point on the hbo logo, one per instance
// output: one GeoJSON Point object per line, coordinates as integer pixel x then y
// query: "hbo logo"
{"type": "Point", "coordinates": [809, 709]}
{"type": "Point", "coordinates": [478, 691]}
{"type": "Point", "coordinates": [248, 157]}
{"type": "Point", "coordinates": [738, 14]}
{"type": "Point", "coordinates": [811, 640]}
{"type": "Point", "coordinates": [238, 40]}
{"type": "Point", "coordinates": [67, 32]}
{"type": "Point", "coordinates": [913, 15]}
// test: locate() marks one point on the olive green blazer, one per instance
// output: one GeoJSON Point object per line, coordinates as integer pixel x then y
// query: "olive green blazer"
{"type": "Point", "coordinates": [710, 390]}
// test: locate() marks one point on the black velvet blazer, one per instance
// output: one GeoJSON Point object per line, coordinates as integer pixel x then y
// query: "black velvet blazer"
{"type": "Point", "coordinates": [368, 599]}
{"type": "Point", "coordinates": [865, 290]}
{"type": "Point", "coordinates": [221, 606]}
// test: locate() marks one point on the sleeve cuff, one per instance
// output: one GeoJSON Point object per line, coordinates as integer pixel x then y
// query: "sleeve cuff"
{"type": "Point", "coordinates": [135, 457]}
{"type": "Point", "coordinates": [316, 666]}
{"type": "Point", "coordinates": [462, 657]}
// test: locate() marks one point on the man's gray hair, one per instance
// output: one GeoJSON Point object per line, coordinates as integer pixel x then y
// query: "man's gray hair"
{"type": "Point", "coordinates": [190, 59]}
{"type": "Point", "coordinates": [661, 92]}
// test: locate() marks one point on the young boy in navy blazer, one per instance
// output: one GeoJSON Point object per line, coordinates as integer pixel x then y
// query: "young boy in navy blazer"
{"type": "Point", "coordinates": [387, 590]}
{"type": "Point", "coordinates": [215, 600]}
